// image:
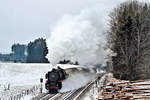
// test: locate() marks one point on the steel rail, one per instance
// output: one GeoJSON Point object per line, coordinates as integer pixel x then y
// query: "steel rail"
{"type": "Point", "coordinates": [46, 97]}
{"type": "Point", "coordinates": [72, 95]}
{"type": "Point", "coordinates": [39, 96]}
{"type": "Point", "coordinates": [82, 92]}
{"type": "Point", "coordinates": [78, 93]}
{"type": "Point", "coordinates": [55, 96]}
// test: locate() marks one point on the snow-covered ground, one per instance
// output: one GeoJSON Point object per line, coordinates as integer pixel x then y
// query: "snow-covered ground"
{"type": "Point", "coordinates": [20, 77]}
{"type": "Point", "coordinates": [92, 94]}
{"type": "Point", "coordinates": [24, 76]}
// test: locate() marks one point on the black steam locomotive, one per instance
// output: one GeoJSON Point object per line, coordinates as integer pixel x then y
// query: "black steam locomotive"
{"type": "Point", "coordinates": [54, 79]}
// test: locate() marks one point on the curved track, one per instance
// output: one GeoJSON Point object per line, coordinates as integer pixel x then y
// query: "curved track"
{"type": "Point", "coordinates": [71, 95]}
{"type": "Point", "coordinates": [44, 96]}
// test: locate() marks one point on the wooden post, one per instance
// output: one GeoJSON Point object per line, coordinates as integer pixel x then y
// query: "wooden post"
{"type": "Point", "coordinates": [41, 88]}
{"type": "Point", "coordinates": [93, 90]}
{"type": "Point", "coordinates": [11, 98]}
{"type": "Point", "coordinates": [19, 96]}
{"type": "Point", "coordinates": [22, 94]}
{"type": "Point", "coordinates": [27, 92]}
{"type": "Point", "coordinates": [96, 83]}
{"type": "Point", "coordinates": [8, 86]}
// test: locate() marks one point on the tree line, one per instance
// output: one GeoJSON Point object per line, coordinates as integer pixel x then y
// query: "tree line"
{"type": "Point", "coordinates": [33, 52]}
{"type": "Point", "coordinates": [129, 38]}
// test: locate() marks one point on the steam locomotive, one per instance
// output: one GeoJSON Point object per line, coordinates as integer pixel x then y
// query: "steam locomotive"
{"type": "Point", "coordinates": [54, 79]}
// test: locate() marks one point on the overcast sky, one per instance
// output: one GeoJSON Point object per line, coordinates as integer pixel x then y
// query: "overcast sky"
{"type": "Point", "coordinates": [22, 21]}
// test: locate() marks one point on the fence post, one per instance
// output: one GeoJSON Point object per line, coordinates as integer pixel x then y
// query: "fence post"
{"type": "Point", "coordinates": [8, 86]}
{"type": "Point", "coordinates": [24, 92]}
{"type": "Point", "coordinates": [11, 98]}
{"type": "Point", "coordinates": [27, 92]}
{"type": "Point", "coordinates": [41, 81]}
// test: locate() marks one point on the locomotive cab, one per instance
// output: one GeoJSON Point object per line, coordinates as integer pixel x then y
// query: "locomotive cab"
{"type": "Point", "coordinates": [54, 79]}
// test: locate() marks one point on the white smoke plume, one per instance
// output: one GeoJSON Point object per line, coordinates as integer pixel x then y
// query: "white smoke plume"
{"type": "Point", "coordinates": [79, 37]}
{"type": "Point", "coordinates": [73, 82]}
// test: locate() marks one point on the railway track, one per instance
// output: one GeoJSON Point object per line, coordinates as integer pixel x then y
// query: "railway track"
{"type": "Point", "coordinates": [44, 96]}
{"type": "Point", "coordinates": [64, 96]}
{"type": "Point", "coordinates": [78, 93]}
{"type": "Point", "coordinates": [71, 95]}
{"type": "Point", "coordinates": [75, 94]}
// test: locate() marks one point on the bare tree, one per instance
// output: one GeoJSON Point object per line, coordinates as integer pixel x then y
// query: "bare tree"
{"type": "Point", "coordinates": [129, 37]}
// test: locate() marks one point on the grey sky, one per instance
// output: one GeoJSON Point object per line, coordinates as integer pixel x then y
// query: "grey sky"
{"type": "Point", "coordinates": [22, 21]}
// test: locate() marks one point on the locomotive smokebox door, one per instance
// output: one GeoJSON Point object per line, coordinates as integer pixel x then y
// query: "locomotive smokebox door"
{"type": "Point", "coordinates": [41, 80]}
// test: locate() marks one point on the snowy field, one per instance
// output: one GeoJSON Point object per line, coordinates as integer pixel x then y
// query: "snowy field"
{"type": "Point", "coordinates": [20, 76]}
{"type": "Point", "coordinates": [24, 76]}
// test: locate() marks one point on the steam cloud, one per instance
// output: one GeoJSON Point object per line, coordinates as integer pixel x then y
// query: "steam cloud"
{"type": "Point", "coordinates": [79, 38]}
{"type": "Point", "coordinates": [73, 82]}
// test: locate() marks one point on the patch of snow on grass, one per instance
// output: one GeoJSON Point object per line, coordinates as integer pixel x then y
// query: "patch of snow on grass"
{"type": "Point", "coordinates": [28, 97]}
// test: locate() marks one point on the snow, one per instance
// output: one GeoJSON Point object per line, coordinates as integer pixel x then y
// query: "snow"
{"type": "Point", "coordinates": [24, 76]}
{"type": "Point", "coordinates": [77, 81]}
{"type": "Point", "coordinates": [28, 97]}
{"type": "Point", "coordinates": [20, 77]}
{"type": "Point", "coordinates": [92, 94]}
{"type": "Point", "coordinates": [66, 66]}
